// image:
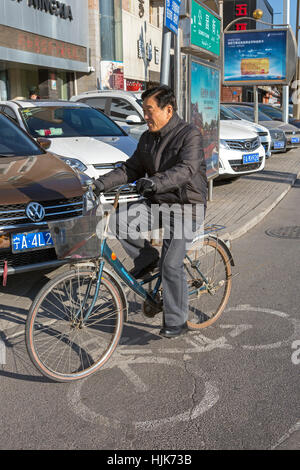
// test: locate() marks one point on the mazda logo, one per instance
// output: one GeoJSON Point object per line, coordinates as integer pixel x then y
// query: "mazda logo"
{"type": "Point", "coordinates": [35, 211]}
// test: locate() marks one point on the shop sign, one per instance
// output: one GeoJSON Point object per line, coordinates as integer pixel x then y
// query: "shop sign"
{"type": "Point", "coordinates": [53, 7]}
{"type": "Point", "coordinates": [141, 8]}
{"type": "Point", "coordinates": [156, 55]}
{"type": "Point", "coordinates": [134, 85]}
{"type": "Point", "coordinates": [29, 42]}
{"type": "Point", "coordinates": [144, 52]}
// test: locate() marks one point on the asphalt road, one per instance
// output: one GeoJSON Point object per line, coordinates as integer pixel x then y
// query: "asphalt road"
{"type": "Point", "coordinates": [235, 385]}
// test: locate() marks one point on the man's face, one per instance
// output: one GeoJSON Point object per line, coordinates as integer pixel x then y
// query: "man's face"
{"type": "Point", "coordinates": [155, 117]}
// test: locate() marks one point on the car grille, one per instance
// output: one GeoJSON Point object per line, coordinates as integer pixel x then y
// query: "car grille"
{"type": "Point", "coordinates": [14, 214]}
{"type": "Point", "coordinates": [244, 144]}
{"type": "Point", "coordinates": [262, 133]}
{"type": "Point", "coordinates": [238, 165]}
{"type": "Point", "coordinates": [15, 260]}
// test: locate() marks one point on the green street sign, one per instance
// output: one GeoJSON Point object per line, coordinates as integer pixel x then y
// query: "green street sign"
{"type": "Point", "coordinates": [205, 29]}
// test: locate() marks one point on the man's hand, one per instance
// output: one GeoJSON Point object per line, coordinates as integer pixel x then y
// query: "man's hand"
{"type": "Point", "coordinates": [145, 187]}
{"type": "Point", "coordinates": [98, 186]}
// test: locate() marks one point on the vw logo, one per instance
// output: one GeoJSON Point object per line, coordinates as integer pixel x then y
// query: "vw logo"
{"type": "Point", "coordinates": [35, 211]}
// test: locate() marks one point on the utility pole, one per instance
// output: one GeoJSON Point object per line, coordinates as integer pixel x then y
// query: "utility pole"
{"type": "Point", "coordinates": [296, 107]}
{"type": "Point", "coordinates": [285, 88]}
{"type": "Point", "coordinates": [165, 53]}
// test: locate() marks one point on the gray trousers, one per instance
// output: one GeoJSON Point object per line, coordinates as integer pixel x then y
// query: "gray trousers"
{"type": "Point", "coordinates": [130, 224]}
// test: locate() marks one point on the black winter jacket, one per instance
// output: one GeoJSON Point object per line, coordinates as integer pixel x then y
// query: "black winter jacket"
{"type": "Point", "coordinates": [173, 158]}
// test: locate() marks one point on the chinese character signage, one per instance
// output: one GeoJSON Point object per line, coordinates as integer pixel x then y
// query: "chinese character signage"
{"type": "Point", "coordinates": [204, 111]}
{"type": "Point", "coordinates": [172, 8]}
{"type": "Point", "coordinates": [255, 57]}
{"type": "Point", "coordinates": [205, 29]}
{"type": "Point", "coordinates": [201, 32]}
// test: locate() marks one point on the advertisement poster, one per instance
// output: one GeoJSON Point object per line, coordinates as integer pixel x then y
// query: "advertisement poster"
{"type": "Point", "coordinates": [255, 57]}
{"type": "Point", "coordinates": [112, 75]}
{"type": "Point", "coordinates": [205, 91]}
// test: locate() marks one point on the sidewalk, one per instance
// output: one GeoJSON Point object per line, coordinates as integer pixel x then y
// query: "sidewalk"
{"type": "Point", "coordinates": [241, 204]}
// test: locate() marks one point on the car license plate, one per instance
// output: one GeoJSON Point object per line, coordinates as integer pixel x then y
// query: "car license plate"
{"type": "Point", "coordinates": [251, 158]}
{"type": "Point", "coordinates": [31, 241]}
{"type": "Point", "coordinates": [278, 145]}
{"type": "Point", "coordinates": [295, 140]}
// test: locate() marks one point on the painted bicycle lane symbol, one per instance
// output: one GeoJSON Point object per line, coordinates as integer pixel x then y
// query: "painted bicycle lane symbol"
{"type": "Point", "coordinates": [128, 360]}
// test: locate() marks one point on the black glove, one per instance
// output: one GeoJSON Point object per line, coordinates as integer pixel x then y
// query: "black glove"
{"type": "Point", "coordinates": [145, 187]}
{"type": "Point", "coordinates": [98, 186]}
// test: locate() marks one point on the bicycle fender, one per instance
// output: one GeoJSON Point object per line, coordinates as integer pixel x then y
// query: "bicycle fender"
{"type": "Point", "coordinates": [225, 248]}
{"type": "Point", "coordinates": [117, 283]}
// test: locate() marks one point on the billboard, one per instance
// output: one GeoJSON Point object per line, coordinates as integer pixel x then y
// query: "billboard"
{"type": "Point", "coordinates": [205, 110]}
{"type": "Point", "coordinates": [258, 57]}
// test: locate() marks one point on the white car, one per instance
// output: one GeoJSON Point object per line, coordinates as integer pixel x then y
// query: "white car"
{"type": "Point", "coordinates": [264, 134]}
{"type": "Point", "coordinates": [83, 137]}
{"type": "Point", "coordinates": [123, 107]}
{"type": "Point", "coordinates": [241, 154]}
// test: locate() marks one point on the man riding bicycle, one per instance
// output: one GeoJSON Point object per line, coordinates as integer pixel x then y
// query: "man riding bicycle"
{"type": "Point", "coordinates": [169, 169]}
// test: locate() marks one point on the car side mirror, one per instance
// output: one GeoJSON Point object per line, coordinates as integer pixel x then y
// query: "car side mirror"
{"type": "Point", "coordinates": [133, 119]}
{"type": "Point", "coordinates": [44, 143]}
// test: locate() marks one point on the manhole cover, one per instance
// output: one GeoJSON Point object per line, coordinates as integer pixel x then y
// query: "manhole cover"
{"type": "Point", "coordinates": [292, 232]}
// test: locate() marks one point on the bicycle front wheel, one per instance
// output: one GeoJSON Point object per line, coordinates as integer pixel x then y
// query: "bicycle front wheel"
{"type": "Point", "coordinates": [62, 341]}
{"type": "Point", "coordinates": [209, 281]}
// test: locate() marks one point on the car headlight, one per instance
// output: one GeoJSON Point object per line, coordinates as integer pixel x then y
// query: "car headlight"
{"type": "Point", "coordinates": [223, 144]}
{"type": "Point", "coordinates": [74, 163]}
{"type": "Point", "coordinates": [89, 200]}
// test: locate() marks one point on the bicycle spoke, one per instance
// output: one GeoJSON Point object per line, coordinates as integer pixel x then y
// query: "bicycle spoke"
{"type": "Point", "coordinates": [71, 331]}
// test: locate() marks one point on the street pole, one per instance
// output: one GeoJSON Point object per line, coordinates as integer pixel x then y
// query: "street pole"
{"type": "Point", "coordinates": [255, 91]}
{"type": "Point", "coordinates": [285, 88]}
{"type": "Point", "coordinates": [177, 69]}
{"type": "Point", "coordinates": [296, 107]}
{"type": "Point", "coordinates": [165, 54]}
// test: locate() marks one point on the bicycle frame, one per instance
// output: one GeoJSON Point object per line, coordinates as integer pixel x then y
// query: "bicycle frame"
{"type": "Point", "coordinates": [108, 255]}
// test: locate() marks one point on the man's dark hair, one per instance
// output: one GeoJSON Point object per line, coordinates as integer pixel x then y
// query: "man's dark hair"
{"type": "Point", "coordinates": [163, 94]}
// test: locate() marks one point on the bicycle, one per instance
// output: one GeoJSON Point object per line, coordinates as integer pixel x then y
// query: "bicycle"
{"type": "Point", "coordinates": [75, 322]}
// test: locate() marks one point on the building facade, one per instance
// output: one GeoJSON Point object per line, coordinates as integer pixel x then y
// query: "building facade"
{"type": "Point", "coordinates": [44, 44]}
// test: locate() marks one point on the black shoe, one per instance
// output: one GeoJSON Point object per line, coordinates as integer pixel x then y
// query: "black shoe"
{"type": "Point", "coordinates": [142, 271]}
{"type": "Point", "coordinates": [173, 331]}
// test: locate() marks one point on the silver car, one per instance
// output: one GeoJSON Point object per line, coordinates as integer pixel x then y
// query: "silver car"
{"type": "Point", "coordinates": [123, 107]}
{"type": "Point", "coordinates": [278, 128]}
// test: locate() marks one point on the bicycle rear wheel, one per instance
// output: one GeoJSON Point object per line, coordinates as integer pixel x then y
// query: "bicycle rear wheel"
{"type": "Point", "coordinates": [63, 344]}
{"type": "Point", "coordinates": [209, 281]}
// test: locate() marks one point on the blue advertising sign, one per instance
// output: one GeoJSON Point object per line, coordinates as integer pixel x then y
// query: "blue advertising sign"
{"type": "Point", "coordinates": [255, 57]}
{"type": "Point", "coordinates": [172, 8]}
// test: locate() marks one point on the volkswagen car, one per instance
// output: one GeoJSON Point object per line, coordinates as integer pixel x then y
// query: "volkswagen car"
{"type": "Point", "coordinates": [83, 137]}
{"type": "Point", "coordinates": [36, 186]}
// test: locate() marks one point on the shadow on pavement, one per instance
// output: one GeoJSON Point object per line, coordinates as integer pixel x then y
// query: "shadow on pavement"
{"type": "Point", "coordinates": [272, 176]}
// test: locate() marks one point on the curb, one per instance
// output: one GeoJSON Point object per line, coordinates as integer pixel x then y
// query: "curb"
{"type": "Point", "coordinates": [238, 230]}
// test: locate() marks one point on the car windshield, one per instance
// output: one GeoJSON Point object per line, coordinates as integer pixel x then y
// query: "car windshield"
{"type": "Point", "coordinates": [68, 121]}
{"type": "Point", "coordinates": [14, 142]}
{"type": "Point", "coordinates": [226, 114]}
{"type": "Point", "coordinates": [249, 113]}
{"type": "Point", "coordinates": [273, 113]}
